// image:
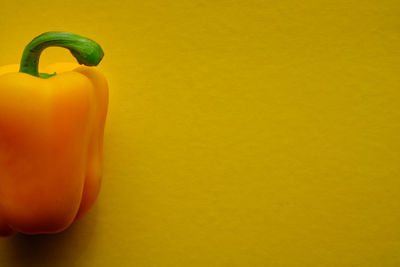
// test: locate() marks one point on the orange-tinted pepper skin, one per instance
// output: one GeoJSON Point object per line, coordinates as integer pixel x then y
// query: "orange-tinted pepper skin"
{"type": "Point", "coordinates": [51, 142]}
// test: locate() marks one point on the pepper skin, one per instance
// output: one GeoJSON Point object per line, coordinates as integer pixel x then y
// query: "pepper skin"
{"type": "Point", "coordinates": [51, 137]}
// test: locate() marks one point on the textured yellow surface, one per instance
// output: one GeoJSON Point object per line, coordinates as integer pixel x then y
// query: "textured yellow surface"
{"type": "Point", "coordinates": [240, 133]}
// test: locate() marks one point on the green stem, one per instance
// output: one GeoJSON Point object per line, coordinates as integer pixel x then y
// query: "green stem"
{"type": "Point", "coordinates": [86, 51]}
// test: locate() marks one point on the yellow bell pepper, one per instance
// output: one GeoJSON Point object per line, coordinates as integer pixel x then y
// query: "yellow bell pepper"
{"type": "Point", "coordinates": [51, 137]}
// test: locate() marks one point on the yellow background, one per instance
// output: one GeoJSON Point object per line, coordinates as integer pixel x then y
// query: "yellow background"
{"type": "Point", "coordinates": [240, 133]}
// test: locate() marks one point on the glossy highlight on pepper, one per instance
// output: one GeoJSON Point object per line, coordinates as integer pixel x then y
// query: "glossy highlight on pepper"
{"type": "Point", "coordinates": [51, 136]}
